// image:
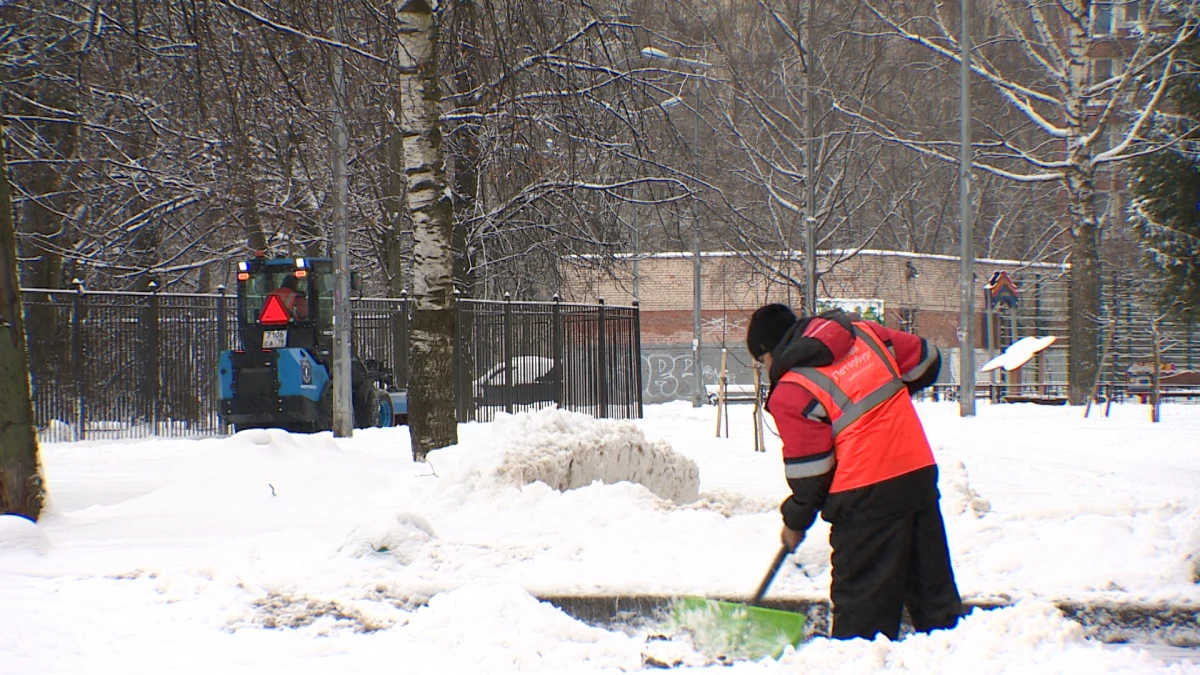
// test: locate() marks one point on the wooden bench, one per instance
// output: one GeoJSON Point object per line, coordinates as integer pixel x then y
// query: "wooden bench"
{"type": "Point", "coordinates": [1166, 392]}
{"type": "Point", "coordinates": [1034, 398]}
{"type": "Point", "coordinates": [733, 393]}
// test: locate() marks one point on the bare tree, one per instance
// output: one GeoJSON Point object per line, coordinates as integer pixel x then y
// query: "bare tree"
{"type": "Point", "coordinates": [1073, 114]}
{"type": "Point", "coordinates": [551, 131]}
{"type": "Point", "coordinates": [431, 415]}
{"type": "Point", "coordinates": [165, 139]}
{"type": "Point", "coordinates": [750, 178]}
{"type": "Point", "coordinates": [21, 484]}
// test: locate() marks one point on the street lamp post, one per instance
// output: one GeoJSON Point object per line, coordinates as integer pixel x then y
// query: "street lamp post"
{"type": "Point", "coordinates": [697, 371]}
{"type": "Point", "coordinates": [966, 281]}
{"type": "Point", "coordinates": [343, 396]}
{"type": "Point", "coordinates": [637, 245]}
{"type": "Point", "coordinates": [697, 368]}
{"type": "Point", "coordinates": [810, 218]}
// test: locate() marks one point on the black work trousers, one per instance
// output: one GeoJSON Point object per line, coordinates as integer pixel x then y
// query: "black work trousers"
{"type": "Point", "coordinates": [883, 566]}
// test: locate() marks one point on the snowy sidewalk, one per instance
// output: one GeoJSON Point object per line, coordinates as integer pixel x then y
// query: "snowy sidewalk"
{"type": "Point", "coordinates": [266, 548]}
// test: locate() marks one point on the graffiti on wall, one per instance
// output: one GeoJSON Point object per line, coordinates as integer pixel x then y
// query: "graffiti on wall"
{"type": "Point", "coordinates": [667, 373]}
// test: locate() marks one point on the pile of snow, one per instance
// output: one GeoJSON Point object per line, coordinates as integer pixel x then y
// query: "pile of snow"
{"type": "Point", "coordinates": [730, 504]}
{"type": "Point", "coordinates": [958, 497]}
{"type": "Point", "coordinates": [568, 450]}
{"type": "Point", "coordinates": [404, 536]}
{"type": "Point", "coordinates": [21, 534]}
{"type": "Point", "coordinates": [1030, 637]}
{"type": "Point", "coordinates": [501, 628]}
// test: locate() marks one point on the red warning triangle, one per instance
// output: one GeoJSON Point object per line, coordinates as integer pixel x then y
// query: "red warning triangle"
{"type": "Point", "coordinates": [273, 313]}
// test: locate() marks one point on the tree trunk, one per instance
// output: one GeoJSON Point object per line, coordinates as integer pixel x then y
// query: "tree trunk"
{"type": "Point", "coordinates": [466, 180]}
{"type": "Point", "coordinates": [42, 262]}
{"type": "Point", "coordinates": [466, 59]}
{"type": "Point", "coordinates": [1083, 302]}
{"type": "Point", "coordinates": [21, 485]}
{"type": "Point", "coordinates": [393, 207]}
{"type": "Point", "coordinates": [1083, 282]}
{"type": "Point", "coordinates": [431, 416]}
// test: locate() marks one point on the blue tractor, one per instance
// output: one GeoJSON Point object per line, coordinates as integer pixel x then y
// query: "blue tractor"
{"type": "Point", "coordinates": [282, 375]}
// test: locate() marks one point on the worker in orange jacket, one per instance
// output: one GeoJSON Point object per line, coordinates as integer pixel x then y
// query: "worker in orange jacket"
{"type": "Point", "coordinates": [293, 300]}
{"type": "Point", "coordinates": [854, 450]}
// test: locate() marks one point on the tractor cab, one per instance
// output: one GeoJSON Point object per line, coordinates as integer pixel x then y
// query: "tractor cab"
{"type": "Point", "coordinates": [287, 303]}
{"type": "Point", "coordinates": [281, 377]}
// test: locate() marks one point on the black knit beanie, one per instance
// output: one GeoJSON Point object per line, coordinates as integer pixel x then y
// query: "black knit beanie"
{"type": "Point", "coordinates": [768, 325]}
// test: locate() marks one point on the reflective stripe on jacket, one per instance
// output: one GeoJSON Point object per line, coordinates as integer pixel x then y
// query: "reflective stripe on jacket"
{"type": "Point", "coordinates": [876, 432]}
{"type": "Point", "coordinates": [290, 298]}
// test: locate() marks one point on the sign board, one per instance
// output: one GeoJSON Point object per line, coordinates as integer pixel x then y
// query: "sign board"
{"type": "Point", "coordinates": [1002, 290]}
{"type": "Point", "coordinates": [869, 309]}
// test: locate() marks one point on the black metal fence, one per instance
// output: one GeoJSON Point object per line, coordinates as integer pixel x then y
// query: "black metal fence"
{"type": "Point", "coordinates": [108, 365]}
{"type": "Point", "coordinates": [127, 365]}
{"type": "Point", "coordinates": [514, 356]}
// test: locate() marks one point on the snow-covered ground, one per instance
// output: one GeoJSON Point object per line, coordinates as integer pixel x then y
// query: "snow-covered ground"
{"type": "Point", "coordinates": [270, 552]}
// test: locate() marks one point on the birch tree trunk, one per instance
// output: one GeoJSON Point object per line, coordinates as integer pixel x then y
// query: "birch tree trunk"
{"type": "Point", "coordinates": [1083, 282]}
{"type": "Point", "coordinates": [431, 415]}
{"type": "Point", "coordinates": [1083, 287]}
{"type": "Point", "coordinates": [21, 485]}
{"type": "Point", "coordinates": [393, 208]}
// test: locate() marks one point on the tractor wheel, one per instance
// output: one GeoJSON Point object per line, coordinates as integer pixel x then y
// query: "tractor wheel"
{"type": "Point", "coordinates": [378, 411]}
{"type": "Point", "coordinates": [385, 413]}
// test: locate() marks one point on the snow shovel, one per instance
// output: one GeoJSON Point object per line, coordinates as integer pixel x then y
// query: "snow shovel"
{"type": "Point", "coordinates": [733, 630]}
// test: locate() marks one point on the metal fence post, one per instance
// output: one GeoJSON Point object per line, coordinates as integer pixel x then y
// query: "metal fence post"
{"type": "Point", "coordinates": [602, 361]}
{"type": "Point", "coordinates": [222, 322]}
{"type": "Point", "coordinates": [556, 348]}
{"type": "Point", "coordinates": [400, 343]}
{"type": "Point", "coordinates": [222, 342]}
{"type": "Point", "coordinates": [461, 390]}
{"type": "Point", "coordinates": [1189, 345]}
{"type": "Point", "coordinates": [1129, 337]}
{"type": "Point", "coordinates": [637, 354]}
{"type": "Point", "coordinates": [507, 354]}
{"type": "Point", "coordinates": [1114, 314]}
{"type": "Point", "coordinates": [152, 357]}
{"type": "Point", "coordinates": [78, 365]}
{"type": "Point", "coordinates": [1040, 388]}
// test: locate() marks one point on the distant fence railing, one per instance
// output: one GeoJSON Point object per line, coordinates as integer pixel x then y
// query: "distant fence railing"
{"type": "Point", "coordinates": [109, 365]}
{"type": "Point", "coordinates": [515, 356]}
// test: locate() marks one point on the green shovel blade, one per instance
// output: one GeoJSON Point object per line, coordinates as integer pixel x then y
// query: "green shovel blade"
{"type": "Point", "coordinates": [737, 631]}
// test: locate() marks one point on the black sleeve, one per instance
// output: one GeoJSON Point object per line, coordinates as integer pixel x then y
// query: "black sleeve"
{"type": "Point", "coordinates": [931, 372]}
{"type": "Point", "coordinates": [808, 496]}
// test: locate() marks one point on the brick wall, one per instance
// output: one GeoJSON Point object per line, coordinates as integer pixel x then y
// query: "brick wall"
{"type": "Point", "coordinates": [920, 288]}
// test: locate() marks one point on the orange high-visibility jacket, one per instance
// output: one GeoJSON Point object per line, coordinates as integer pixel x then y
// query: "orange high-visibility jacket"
{"type": "Point", "coordinates": [876, 432]}
{"type": "Point", "coordinates": [293, 301]}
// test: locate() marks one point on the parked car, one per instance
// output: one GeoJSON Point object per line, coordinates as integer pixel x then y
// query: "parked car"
{"type": "Point", "coordinates": [534, 379]}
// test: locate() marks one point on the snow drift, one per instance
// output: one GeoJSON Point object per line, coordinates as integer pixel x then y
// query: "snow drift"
{"type": "Point", "coordinates": [568, 450]}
